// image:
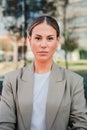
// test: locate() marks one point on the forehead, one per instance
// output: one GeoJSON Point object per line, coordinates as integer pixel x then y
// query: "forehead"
{"type": "Point", "coordinates": [43, 28]}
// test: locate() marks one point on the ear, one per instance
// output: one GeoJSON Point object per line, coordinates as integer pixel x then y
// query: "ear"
{"type": "Point", "coordinates": [29, 39]}
{"type": "Point", "coordinates": [58, 40]}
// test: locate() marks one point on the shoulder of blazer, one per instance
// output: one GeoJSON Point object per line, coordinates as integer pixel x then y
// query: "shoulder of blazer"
{"type": "Point", "coordinates": [73, 80]}
{"type": "Point", "coordinates": [71, 77]}
{"type": "Point", "coordinates": [11, 78]}
{"type": "Point", "coordinates": [12, 75]}
{"type": "Point", "coordinates": [69, 73]}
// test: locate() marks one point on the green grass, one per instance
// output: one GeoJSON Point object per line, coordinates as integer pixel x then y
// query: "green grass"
{"type": "Point", "coordinates": [62, 63]}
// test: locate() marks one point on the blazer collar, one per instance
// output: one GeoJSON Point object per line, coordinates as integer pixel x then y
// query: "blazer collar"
{"type": "Point", "coordinates": [56, 73]}
{"type": "Point", "coordinates": [28, 72]}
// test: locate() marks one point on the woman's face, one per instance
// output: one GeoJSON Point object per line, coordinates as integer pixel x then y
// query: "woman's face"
{"type": "Point", "coordinates": [43, 42]}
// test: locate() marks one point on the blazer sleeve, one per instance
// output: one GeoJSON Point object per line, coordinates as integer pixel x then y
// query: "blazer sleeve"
{"type": "Point", "coordinates": [78, 114]}
{"type": "Point", "coordinates": [7, 107]}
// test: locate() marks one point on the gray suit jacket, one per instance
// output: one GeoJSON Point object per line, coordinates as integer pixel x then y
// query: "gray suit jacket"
{"type": "Point", "coordinates": [66, 104]}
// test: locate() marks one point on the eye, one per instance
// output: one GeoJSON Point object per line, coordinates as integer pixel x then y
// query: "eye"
{"type": "Point", "coordinates": [50, 38]}
{"type": "Point", "coordinates": [38, 38]}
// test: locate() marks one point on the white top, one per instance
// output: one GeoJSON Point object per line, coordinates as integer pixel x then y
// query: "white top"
{"type": "Point", "coordinates": [41, 83]}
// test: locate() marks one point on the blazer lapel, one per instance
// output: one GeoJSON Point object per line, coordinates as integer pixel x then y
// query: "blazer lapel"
{"type": "Point", "coordinates": [25, 96]}
{"type": "Point", "coordinates": [55, 94]}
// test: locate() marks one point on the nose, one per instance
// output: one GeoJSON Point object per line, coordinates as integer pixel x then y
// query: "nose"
{"type": "Point", "coordinates": [43, 44]}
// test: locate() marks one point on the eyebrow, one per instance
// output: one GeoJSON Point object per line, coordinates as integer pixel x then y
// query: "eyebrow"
{"type": "Point", "coordinates": [48, 35]}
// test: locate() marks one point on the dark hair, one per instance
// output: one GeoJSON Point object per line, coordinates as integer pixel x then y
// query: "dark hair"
{"type": "Point", "coordinates": [48, 19]}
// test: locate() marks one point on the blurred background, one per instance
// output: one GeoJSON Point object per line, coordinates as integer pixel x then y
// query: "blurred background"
{"type": "Point", "coordinates": [16, 15]}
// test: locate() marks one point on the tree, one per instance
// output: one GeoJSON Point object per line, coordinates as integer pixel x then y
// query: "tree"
{"type": "Point", "coordinates": [49, 7]}
{"type": "Point", "coordinates": [9, 8]}
{"type": "Point", "coordinates": [64, 23]}
{"type": "Point", "coordinates": [70, 43]}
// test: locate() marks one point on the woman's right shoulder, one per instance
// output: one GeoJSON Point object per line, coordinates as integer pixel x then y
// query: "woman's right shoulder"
{"type": "Point", "coordinates": [12, 75]}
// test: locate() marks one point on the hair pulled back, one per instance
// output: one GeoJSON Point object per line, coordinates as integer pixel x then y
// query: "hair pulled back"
{"type": "Point", "coordinates": [41, 19]}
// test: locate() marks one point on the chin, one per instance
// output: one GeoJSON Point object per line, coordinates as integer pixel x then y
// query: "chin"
{"type": "Point", "coordinates": [44, 60]}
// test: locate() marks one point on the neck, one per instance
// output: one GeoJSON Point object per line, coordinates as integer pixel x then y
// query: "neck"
{"type": "Point", "coordinates": [42, 67]}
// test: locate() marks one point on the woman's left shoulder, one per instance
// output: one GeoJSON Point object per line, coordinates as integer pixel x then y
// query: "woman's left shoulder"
{"type": "Point", "coordinates": [69, 74]}
{"type": "Point", "coordinates": [72, 74]}
{"type": "Point", "coordinates": [73, 80]}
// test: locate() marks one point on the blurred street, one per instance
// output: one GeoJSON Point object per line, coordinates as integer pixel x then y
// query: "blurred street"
{"type": "Point", "coordinates": [6, 67]}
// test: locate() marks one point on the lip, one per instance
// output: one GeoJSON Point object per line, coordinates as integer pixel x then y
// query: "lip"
{"type": "Point", "coordinates": [43, 52]}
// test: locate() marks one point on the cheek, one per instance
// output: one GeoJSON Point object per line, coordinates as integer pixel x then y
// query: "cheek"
{"type": "Point", "coordinates": [53, 48]}
{"type": "Point", "coordinates": [33, 47]}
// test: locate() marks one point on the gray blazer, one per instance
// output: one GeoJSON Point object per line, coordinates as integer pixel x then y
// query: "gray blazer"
{"type": "Point", "coordinates": [66, 105]}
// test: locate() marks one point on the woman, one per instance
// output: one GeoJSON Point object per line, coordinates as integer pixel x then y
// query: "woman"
{"type": "Point", "coordinates": [43, 96]}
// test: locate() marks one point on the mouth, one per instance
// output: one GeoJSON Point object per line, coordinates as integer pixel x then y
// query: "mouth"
{"type": "Point", "coordinates": [43, 52]}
